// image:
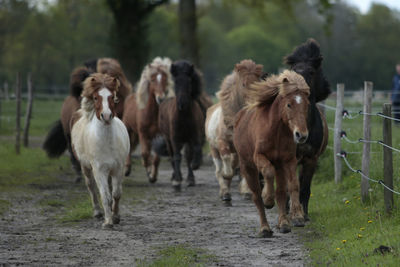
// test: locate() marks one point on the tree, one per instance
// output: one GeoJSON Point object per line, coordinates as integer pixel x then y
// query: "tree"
{"type": "Point", "coordinates": [129, 33]}
{"type": "Point", "coordinates": [188, 31]}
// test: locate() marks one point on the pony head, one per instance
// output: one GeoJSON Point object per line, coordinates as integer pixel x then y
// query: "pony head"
{"type": "Point", "coordinates": [100, 96]}
{"type": "Point", "coordinates": [292, 92]}
{"type": "Point", "coordinates": [306, 60]}
{"type": "Point", "coordinates": [187, 83]}
{"type": "Point", "coordinates": [155, 80]}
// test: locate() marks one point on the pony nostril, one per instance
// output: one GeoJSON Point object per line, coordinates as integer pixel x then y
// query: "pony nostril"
{"type": "Point", "coordinates": [102, 116]}
{"type": "Point", "coordinates": [297, 134]}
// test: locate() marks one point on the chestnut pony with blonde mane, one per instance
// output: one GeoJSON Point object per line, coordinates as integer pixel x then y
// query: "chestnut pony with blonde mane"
{"type": "Point", "coordinates": [220, 121]}
{"type": "Point", "coordinates": [141, 112]}
{"type": "Point", "coordinates": [265, 137]}
{"type": "Point", "coordinates": [59, 137]}
{"type": "Point", "coordinates": [101, 144]}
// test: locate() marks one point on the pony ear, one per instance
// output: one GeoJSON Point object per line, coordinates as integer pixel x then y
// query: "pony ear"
{"type": "Point", "coordinates": [173, 70]}
{"type": "Point", "coordinates": [285, 80]}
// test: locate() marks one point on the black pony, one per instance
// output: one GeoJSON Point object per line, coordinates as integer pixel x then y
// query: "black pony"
{"type": "Point", "coordinates": [181, 120]}
{"type": "Point", "coordinates": [306, 60]}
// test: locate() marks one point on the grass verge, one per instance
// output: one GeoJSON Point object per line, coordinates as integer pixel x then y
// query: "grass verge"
{"type": "Point", "coordinates": [181, 256]}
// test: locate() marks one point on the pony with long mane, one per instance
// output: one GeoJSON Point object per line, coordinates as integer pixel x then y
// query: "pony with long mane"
{"type": "Point", "coordinates": [181, 119]}
{"type": "Point", "coordinates": [306, 60]}
{"type": "Point", "coordinates": [101, 144]}
{"type": "Point", "coordinates": [220, 121]}
{"type": "Point", "coordinates": [59, 137]}
{"type": "Point", "coordinates": [141, 112]}
{"type": "Point", "coordinates": [265, 137]}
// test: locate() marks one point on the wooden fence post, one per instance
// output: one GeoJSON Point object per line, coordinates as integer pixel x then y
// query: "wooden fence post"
{"type": "Point", "coordinates": [28, 114]}
{"type": "Point", "coordinates": [18, 113]}
{"type": "Point", "coordinates": [337, 143]}
{"type": "Point", "coordinates": [387, 157]}
{"type": "Point", "coordinates": [366, 136]}
{"type": "Point", "coordinates": [6, 96]}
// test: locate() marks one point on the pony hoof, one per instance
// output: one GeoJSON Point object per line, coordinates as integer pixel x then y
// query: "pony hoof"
{"type": "Point", "coordinates": [128, 172]}
{"type": "Point", "coordinates": [306, 217]}
{"type": "Point", "coordinates": [265, 233]}
{"type": "Point", "coordinates": [284, 229]}
{"type": "Point", "coordinates": [269, 204]}
{"type": "Point", "coordinates": [152, 180]}
{"type": "Point", "coordinates": [97, 215]}
{"type": "Point", "coordinates": [247, 196]}
{"type": "Point", "coordinates": [298, 222]}
{"type": "Point", "coordinates": [107, 226]}
{"type": "Point", "coordinates": [78, 179]}
{"type": "Point", "coordinates": [191, 182]}
{"type": "Point", "coordinates": [177, 187]}
{"type": "Point", "coordinates": [116, 219]}
{"type": "Point", "coordinates": [226, 197]}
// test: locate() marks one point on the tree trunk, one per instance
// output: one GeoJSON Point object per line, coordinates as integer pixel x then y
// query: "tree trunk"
{"type": "Point", "coordinates": [188, 31]}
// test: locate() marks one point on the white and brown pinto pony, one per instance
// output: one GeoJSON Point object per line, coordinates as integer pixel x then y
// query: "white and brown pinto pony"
{"type": "Point", "coordinates": [100, 142]}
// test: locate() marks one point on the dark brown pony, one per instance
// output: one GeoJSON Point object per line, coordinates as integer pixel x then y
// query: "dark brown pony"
{"type": "Point", "coordinates": [141, 112]}
{"type": "Point", "coordinates": [181, 120]}
{"type": "Point", "coordinates": [59, 137]}
{"type": "Point", "coordinates": [265, 137]}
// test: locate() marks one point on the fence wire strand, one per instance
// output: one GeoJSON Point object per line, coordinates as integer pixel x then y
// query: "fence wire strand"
{"type": "Point", "coordinates": [343, 156]}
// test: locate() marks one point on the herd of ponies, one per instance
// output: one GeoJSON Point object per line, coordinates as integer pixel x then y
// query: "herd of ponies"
{"type": "Point", "coordinates": [262, 127]}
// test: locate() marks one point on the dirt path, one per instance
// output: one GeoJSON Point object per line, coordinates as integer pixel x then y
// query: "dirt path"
{"type": "Point", "coordinates": [196, 218]}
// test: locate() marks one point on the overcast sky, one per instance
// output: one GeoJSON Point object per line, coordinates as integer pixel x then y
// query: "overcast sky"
{"type": "Point", "coordinates": [364, 5]}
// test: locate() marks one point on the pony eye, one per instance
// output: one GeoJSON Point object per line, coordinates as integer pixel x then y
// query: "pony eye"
{"type": "Point", "coordinates": [289, 106]}
{"type": "Point", "coordinates": [95, 98]}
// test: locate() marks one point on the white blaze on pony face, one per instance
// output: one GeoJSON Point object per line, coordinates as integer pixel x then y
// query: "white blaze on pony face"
{"type": "Point", "coordinates": [106, 114]}
{"type": "Point", "coordinates": [298, 99]}
{"type": "Point", "coordinates": [159, 76]}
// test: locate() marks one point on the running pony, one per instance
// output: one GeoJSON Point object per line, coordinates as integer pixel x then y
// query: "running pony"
{"type": "Point", "coordinates": [100, 142]}
{"type": "Point", "coordinates": [220, 121]}
{"type": "Point", "coordinates": [265, 137]}
{"type": "Point", "coordinates": [141, 112]}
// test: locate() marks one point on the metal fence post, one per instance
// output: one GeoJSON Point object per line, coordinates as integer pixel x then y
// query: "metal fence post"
{"type": "Point", "coordinates": [338, 128]}
{"type": "Point", "coordinates": [367, 136]}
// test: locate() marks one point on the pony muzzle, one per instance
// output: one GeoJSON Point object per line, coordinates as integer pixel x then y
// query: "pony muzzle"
{"type": "Point", "coordinates": [300, 137]}
{"type": "Point", "coordinates": [106, 117]}
{"type": "Point", "coordinates": [160, 99]}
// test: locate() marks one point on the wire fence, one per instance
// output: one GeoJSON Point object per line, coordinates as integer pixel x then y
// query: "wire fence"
{"type": "Point", "coordinates": [352, 114]}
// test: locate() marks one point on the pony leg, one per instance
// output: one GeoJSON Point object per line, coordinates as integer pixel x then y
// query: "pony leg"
{"type": "Point", "coordinates": [306, 173]}
{"type": "Point", "coordinates": [116, 181]}
{"type": "Point", "coordinates": [177, 158]}
{"type": "Point", "coordinates": [145, 146]}
{"type": "Point", "coordinates": [189, 158]}
{"type": "Point", "coordinates": [91, 186]}
{"type": "Point", "coordinates": [197, 157]}
{"type": "Point", "coordinates": [133, 139]}
{"type": "Point", "coordinates": [265, 167]}
{"type": "Point", "coordinates": [281, 197]}
{"type": "Point", "coordinates": [75, 163]}
{"type": "Point", "coordinates": [251, 176]}
{"type": "Point", "coordinates": [227, 157]}
{"type": "Point", "coordinates": [154, 166]}
{"type": "Point", "coordinates": [296, 210]}
{"type": "Point", "coordinates": [102, 183]}
{"type": "Point", "coordinates": [244, 188]}
{"type": "Point", "coordinates": [224, 184]}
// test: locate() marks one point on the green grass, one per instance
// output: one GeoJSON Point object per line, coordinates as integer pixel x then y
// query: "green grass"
{"type": "Point", "coordinates": [181, 256]}
{"type": "Point", "coordinates": [30, 168]}
{"type": "Point", "coordinates": [44, 114]}
{"type": "Point", "coordinates": [76, 210]}
{"type": "Point", "coordinates": [344, 231]}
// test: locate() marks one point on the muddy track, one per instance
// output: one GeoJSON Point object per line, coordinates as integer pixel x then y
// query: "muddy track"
{"type": "Point", "coordinates": [30, 234]}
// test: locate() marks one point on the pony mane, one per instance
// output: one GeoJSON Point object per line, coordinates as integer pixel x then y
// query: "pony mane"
{"type": "Point", "coordinates": [78, 75]}
{"type": "Point", "coordinates": [232, 94]}
{"type": "Point", "coordinates": [157, 64]}
{"type": "Point", "coordinates": [307, 52]}
{"type": "Point", "coordinates": [94, 83]}
{"type": "Point", "coordinates": [265, 92]}
{"type": "Point", "coordinates": [112, 67]}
